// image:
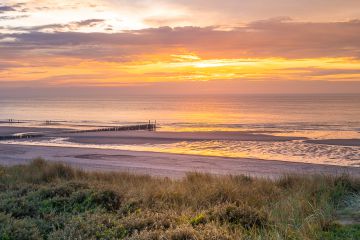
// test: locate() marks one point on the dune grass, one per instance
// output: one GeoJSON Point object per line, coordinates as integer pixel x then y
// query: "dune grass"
{"type": "Point", "coordinates": [45, 200]}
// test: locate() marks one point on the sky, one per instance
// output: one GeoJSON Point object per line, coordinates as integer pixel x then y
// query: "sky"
{"type": "Point", "coordinates": [183, 46]}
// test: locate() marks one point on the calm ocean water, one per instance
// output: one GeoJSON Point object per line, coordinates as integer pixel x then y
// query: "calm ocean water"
{"type": "Point", "coordinates": [312, 116]}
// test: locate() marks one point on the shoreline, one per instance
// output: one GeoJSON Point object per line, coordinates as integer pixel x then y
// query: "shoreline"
{"type": "Point", "coordinates": [143, 137]}
{"type": "Point", "coordinates": [163, 164]}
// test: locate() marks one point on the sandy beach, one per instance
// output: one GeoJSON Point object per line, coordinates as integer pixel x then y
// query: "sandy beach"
{"type": "Point", "coordinates": [154, 163]}
{"type": "Point", "coordinates": [162, 164]}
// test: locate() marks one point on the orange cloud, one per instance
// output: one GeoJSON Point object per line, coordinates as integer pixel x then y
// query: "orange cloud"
{"type": "Point", "coordinates": [260, 51]}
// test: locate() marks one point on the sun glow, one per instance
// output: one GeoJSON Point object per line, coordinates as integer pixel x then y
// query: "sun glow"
{"type": "Point", "coordinates": [180, 67]}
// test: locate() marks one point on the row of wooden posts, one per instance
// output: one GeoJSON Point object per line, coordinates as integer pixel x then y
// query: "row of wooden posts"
{"type": "Point", "coordinates": [13, 121]}
{"type": "Point", "coordinates": [150, 126]}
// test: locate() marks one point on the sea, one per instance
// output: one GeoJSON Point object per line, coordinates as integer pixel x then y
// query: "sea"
{"type": "Point", "coordinates": [314, 117]}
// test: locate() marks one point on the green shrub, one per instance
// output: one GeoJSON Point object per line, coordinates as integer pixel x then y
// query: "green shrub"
{"type": "Point", "coordinates": [148, 221]}
{"type": "Point", "coordinates": [108, 199]}
{"type": "Point", "coordinates": [91, 226]}
{"type": "Point", "coordinates": [14, 229]}
{"type": "Point", "coordinates": [240, 215]}
{"type": "Point", "coordinates": [198, 219]}
{"type": "Point", "coordinates": [337, 232]}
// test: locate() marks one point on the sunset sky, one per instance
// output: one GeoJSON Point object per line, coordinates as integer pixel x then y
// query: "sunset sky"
{"type": "Point", "coordinates": [227, 46]}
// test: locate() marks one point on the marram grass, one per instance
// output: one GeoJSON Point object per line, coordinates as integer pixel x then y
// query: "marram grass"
{"type": "Point", "coordinates": [45, 200]}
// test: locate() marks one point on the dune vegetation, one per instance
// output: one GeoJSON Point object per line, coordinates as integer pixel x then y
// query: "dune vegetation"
{"type": "Point", "coordinates": [44, 200]}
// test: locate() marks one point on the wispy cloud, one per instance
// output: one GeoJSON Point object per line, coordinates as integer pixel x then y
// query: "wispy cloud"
{"type": "Point", "coordinates": [68, 27]}
{"type": "Point", "coordinates": [16, 7]}
{"type": "Point", "coordinates": [7, 9]}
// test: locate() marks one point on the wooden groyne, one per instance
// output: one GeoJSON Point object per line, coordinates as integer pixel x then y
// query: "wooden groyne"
{"type": "Point", "coordinates": [148, 126]}
{"type": "Point", "coordinates": [11, 121]}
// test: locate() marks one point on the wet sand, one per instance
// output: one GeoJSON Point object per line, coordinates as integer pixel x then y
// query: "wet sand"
{"type": "Point", "coordinates": [11, 130]}
{"type": "Point", "coordinates": [144, 137]}
{"type": "Point", "coordinates": [336, 142]}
